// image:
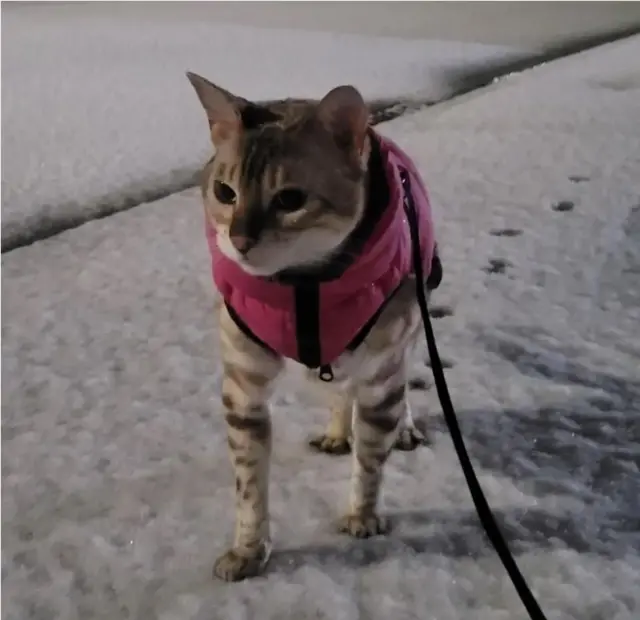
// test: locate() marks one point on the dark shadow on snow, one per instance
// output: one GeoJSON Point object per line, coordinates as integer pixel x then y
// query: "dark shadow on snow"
{"type": "Point", "coordinates": [586, 449]}
{"type": "Point", "coordinates": [458, 534]}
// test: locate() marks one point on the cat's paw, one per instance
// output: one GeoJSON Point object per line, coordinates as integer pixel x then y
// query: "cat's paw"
{"type": "Point", "coordinates": [330, 445]}
{"type": "Point", "coordinates": [363, 526]}
{"type": "Point", "coordinates": [242, 563]}
{"type": "Point", "coordinates": [409, 438]}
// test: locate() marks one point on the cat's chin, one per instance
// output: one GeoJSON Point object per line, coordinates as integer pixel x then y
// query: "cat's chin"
{"type": "Point", "coordinates": [262, 270]}
{"type": "Point", "coordinates": [253, 270]}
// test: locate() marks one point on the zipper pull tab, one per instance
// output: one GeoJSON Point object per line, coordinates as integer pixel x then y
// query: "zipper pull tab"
{"type": "Point", "coordinates": [326, 373]}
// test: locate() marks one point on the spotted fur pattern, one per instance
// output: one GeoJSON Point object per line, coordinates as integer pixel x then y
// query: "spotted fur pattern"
{"type": "Point", "coordinates": [319, 150]}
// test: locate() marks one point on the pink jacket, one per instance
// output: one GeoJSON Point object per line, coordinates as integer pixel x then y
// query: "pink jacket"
{"type": "Point", "coordinates": [316, 319]}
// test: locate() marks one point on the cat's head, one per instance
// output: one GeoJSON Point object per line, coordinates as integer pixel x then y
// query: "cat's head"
{"type": "Point", "coordinates": [287, 184]}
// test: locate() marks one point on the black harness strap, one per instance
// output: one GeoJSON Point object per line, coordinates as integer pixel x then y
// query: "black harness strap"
{"type": "Point", "coordinates": [433, 282]}
{"type": "Point", "coordinates": [242, 326]}
{"type": "Point", "coordinates": [480, 501]}
{"type": "Point", "coordinates": [307, 312]}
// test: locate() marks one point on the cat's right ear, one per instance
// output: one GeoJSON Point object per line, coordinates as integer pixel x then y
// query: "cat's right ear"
{"type": "Point", "coordinates": [222, 108]}
{"type": "Point", "coordinates": [344, 112]}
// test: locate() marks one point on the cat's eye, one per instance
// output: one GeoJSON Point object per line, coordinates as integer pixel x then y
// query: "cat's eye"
{"type": "Point", "coordinates": [289, 200]}
{"type": "Point", "coordinates": [224, 193]}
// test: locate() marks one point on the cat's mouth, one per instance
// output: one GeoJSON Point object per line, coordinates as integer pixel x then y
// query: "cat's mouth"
{"type": "Point", "coordinates": [244, 260]}
{"type": "Point", "coordinates": [259, 262]}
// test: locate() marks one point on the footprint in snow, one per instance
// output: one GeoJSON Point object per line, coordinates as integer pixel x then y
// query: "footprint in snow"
{"type": "Point", "coordinates": [439, 312]}
{"type": "Point", "coordinates": [497, 265]}
{"type": "Point", "coordinates": [446, 363]}
{"type": "Point", "coordinates": [505, 232]}
{"type": "Point", "coordinates": [563, 205]}
{"type": "Point", "coordinates": [419, 383]}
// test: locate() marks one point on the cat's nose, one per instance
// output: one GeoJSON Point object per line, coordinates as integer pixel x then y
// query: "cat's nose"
{"type": "Point", "coordinates": [242, 243]}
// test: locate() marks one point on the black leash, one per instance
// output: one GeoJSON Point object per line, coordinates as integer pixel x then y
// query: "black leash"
{"type": "Point", "coordinates": [480, 501]}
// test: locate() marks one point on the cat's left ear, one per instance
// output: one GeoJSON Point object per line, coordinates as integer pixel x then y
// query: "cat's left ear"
{"type": "Point", "coordinates": [222, 108]}
{"type": "Point", "coordinates": [344, 112]}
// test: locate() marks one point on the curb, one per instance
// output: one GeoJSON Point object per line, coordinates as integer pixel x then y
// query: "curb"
{"type": "Point", "coordinates": [467, 82]}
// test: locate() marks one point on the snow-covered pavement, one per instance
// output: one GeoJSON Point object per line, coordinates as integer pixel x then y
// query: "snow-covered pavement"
{"type": "Point", "coordinates": [96, 116]}
{"type": "Point", "coordinates": [97, 113]}
{"type": "Point", "coordinates": [116, 482]}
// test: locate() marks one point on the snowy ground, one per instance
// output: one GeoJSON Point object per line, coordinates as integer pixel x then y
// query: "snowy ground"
{"type": "Point", "coordinates": [125, 116]}
{"type": "Point", "coordinates": [116, 483]}
{"type": "Point", "coordinates": [98, 116]}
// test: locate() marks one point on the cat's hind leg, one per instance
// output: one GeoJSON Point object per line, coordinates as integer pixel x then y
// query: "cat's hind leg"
{"type": "Point", "coordinates": [336, 438]}
{"type": "Point", "coordinates": [409, 436]}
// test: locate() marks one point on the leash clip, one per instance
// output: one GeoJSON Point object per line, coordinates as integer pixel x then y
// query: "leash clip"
{"type": "Point", "coordinates": [326, 373]}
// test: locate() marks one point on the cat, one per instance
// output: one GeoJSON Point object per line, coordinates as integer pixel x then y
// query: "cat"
{"type": "Point", "coordinates": [310, 252]}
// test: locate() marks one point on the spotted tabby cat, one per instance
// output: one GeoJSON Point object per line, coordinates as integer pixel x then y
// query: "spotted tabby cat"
{"type": "Point", "coordinates": [287, 199]}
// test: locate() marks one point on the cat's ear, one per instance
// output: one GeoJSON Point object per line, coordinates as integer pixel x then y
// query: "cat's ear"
{"type": "Point", "coordinates": [344, 112]}
{"type": "Point", "coordinates": [222, 108]}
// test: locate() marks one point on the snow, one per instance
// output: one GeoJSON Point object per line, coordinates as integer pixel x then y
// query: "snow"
{"type": "Point", "coordinates": [116, 483]}
{"type": "Point", "coordinates": [126, 117]}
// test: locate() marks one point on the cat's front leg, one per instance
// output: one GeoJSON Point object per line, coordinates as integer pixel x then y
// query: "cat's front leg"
{"type": "Point", "coordinates": [380, 406]}
{"type": "Point", "coordinates": [249, 373]}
